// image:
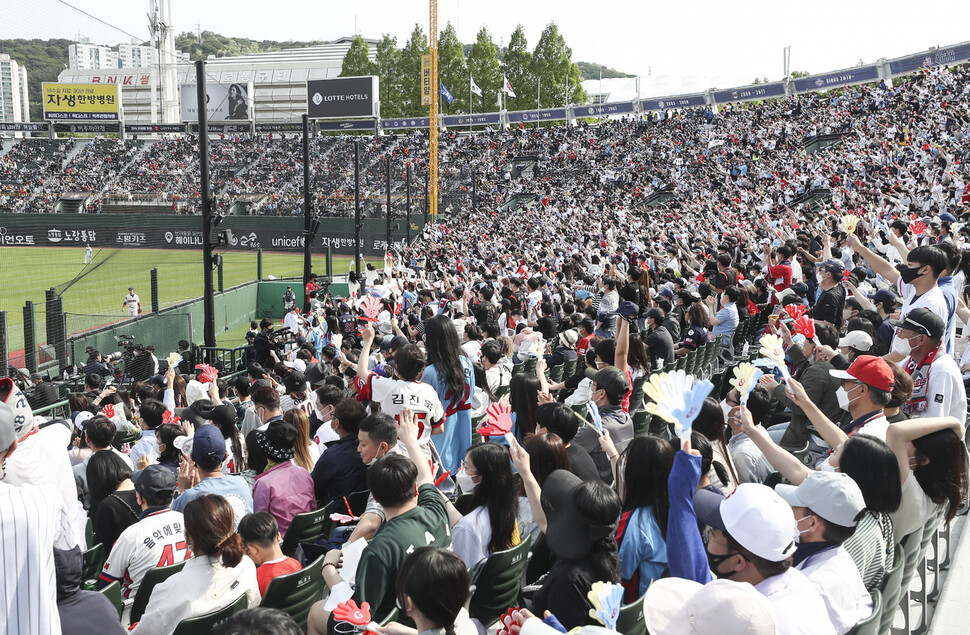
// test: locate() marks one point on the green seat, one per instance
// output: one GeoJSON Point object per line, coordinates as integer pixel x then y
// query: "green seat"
{"type": "Point", "coordinates": [358, 501]}
{"type": "Point", "coordinates": [517, 368]}
{"type": "Point", "coordinates": [307, 528]}
{"type": "Point", "coordinates": [871, 624]}
{"type": "Point", "coordinates": [296, 592]}
{"type": "Point", "coordinates": [92, 561]}
{"type": "Point", "coordinates": [915, 565]}
{"type": "Point", "coordinates": [390, 617]}
{"type": "Point", "coordinates": [891, 588]}
{"type": "Point", "coordinates": [658, 427]}
{"type": "Point", "coordinates": [681, 362]}
{"type": "Point", "coordinates": [496, 582]}
{"type": "Point", "coordinates": [636, 395]}
{"type": "Point", "coordinates": [205, 624]}
{"type": "Point", "coordinates": [570, 368]}
{"type": "Point", "coordinates": [530, 365]}
{"type": "Point", "coordinates": [502, 390]}
{"type": "Point", "coordinates": [89, 533]}
{"type": "Point", "coordinates": [641, 423]}
{"type": "Point", "coordinates": [804, 454]}
{"type": "Point", "coordinates": [122, 438]}
{"type": "Point", "coordinates": [113, 593]}
{"type": "Point", "coordinates": [153, 577]}
{"type": "Point", "coordinates": [693, 362]}
{"type": "Point", "coordinates": [630, 621]}
{"type": "Point", "coordinates": [556, 373]}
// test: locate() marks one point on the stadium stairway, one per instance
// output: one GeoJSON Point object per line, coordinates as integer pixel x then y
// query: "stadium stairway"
{"type": "Point", "coordinates": [75, 150]}
{"type": "Point", "coordinates": [5, 145]}
{"type": "Point", "coordinates": [136, 158]}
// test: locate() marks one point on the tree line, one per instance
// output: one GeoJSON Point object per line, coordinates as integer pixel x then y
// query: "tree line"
{"type": "Point", "coordinates": [545, 74]}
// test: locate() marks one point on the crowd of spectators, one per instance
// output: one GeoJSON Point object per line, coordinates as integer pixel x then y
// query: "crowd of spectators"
{"type": "Point", "coordinates": [524, 336]}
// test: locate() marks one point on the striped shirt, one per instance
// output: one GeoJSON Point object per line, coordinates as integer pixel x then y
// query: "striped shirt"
{"type": "Point", "coordinates": [33, 521]}
{"type": "Point", "coordinates": [871, 547]}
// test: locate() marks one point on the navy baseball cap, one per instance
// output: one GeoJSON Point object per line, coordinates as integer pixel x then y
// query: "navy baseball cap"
{"type": "Point", "coordinates": [208, 443]}
{"type": "Point", "coordinates": [153, 480]}
{"type": "Point", "coordinates": [885, 296]}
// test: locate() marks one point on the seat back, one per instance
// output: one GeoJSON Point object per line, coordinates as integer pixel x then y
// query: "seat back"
{"type": "Point", "coordinates": [496, 582]}
{"type": "Point", "coordinates": [891, 588]}
{"type": "Point", "coordinates": [636, 396]}
{"type": "Point", "coordinates": [570, 368]}
{"type": "Point", "coordinates": [641, 423]}
{"type": "Point", "coordinates": [871, 624]}
{"type": "Point", "coordinates": [296, 592]}
{"type": "Point", "coordinates": [92, 562]}
{"type": "Point", "coordinates": [358, 501]}
{"type": "Point", "coordinates": [630, 621]}
{"type": "Point", "coordinates": [113, 593]}
{"type": "Point", "coordinates": [205, 624]}
{"type": "Point", "coordinates": [540, 561]}
{"type": "Point", "coordinates": [306, 528]}
{"type": "Point", "coordinates": [153, 577]}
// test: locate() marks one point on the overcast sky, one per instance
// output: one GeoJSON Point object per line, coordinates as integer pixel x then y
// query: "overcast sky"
{"type": "Point", "coordinates": [727, 43]}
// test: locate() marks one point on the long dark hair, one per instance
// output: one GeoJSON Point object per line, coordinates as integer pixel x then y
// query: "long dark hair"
{"type": "Point", "coordinates": [547, 453]}
{"type": "Point", "coordinates": [710, 422]}
{"type": "Point", "coordinates": [637, 356]}
{"type": "Point", "coordinates": [524, 399]}
{"type": "Point", "coordinates": [944, 477]}
{"type": "Point", "coordinates": [600, 505]}
{"type": "Point", "coordinates": [496, 492]}
{"type": "Point", "coordinates": [445, 353]}
{"type": "Point", "coordinates": [210, 527]}
{"type": "Point", "coordinates": [871, 463]}
{"type": "Point", "coordinates": [481, 382]}
{"type": "Point", "coordinates": [106, 471]}
{"type": "Point", "coordinates": [436, 581]}
{"type": "Point", "coordinates": [644, 468]}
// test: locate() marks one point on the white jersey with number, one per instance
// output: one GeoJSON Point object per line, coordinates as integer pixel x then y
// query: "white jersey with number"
{"type": "Point", "coordinates": [157, 540]}
{"type": "Point", "coordinates": [421, 399]}
{"type": "Point", "coordinates": [132, 302]}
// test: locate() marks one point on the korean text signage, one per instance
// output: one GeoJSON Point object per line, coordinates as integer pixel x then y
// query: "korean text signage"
{"type": "Point", "coordinates": [224, 102]}
{"type": "Point", "coordinates": [81, 102]}
{"type": "Point", "coordinates": [427, 86]}
{"type": "Point", "coordinates": [342, 97]}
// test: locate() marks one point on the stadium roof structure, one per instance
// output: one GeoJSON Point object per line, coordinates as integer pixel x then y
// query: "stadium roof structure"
{"type": "Point", "coordinates": [330, 52]}
{"type": "Point", "coordinates": [625, 88]}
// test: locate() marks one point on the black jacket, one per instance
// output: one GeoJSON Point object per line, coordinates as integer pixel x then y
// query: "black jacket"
{"type": "Point", "coordinates": [339, 471]}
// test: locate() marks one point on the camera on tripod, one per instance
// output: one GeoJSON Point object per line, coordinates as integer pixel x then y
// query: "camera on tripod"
{"type": "Point", "coordinates": [126, 342]}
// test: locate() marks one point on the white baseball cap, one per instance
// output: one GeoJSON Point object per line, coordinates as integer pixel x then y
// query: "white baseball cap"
{"type": "Point", "coordinates": [832, 495]}
{"type": "Point", "coordinates": [23, 416]}
{"type": "Point", "coordinates": [675, 606]}
{"type": "Point", "coordinates": [297, 364]}
{"type": "Point", "coordinates": [754, 515]}
{"type": "Point", "coordinates": [81, 418]}
{"type": "Point", "coordinates": [858, 340]}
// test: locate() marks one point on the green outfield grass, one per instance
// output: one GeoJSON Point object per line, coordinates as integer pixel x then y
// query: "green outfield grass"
{"type": "Point", "coordinates": [27, 272]}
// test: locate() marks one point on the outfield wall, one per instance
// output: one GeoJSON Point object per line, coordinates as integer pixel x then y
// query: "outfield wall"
{"type": "Point", "coordinates": [269, 233]}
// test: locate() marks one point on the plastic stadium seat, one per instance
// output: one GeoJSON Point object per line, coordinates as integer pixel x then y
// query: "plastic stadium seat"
{"type": "Point", "coordinates": [113, 593]}
{"type": "Point", "coordinates": [307, 528]}
{"type": "Point", "coordinates": [92, 561]}
{"type": "Point", "coordinates": [891, 588]}
{"type": "Point", "coordinates": [296, 592]}
{"type": "Point", "coordinates": [153, 577]}
{"type": "Point", "coordinates": [630, 621]}
{"type": "Point", "coordinates": [205, 624]}
{"type": "Point", "coordinates": [870, 625]}
{"type": "Point", "coordinates": [496, 582]}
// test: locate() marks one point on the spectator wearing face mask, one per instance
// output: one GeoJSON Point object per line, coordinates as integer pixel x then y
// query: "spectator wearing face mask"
{"type": "Point", "coordinates": [340, 471]}
{"type": "Point", "coordinates": [937, 384]}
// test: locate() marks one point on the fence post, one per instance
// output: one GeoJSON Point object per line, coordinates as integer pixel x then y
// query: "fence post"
{"type": "Point", "coordinates": [56, 331]}
{"type": "Point", "coordinates": [220, 275]}
{"type": "Point", "coordinates": [329, 262]}
{"type": "Point", "coordinates": [154, 274]}
{"type": "Point", "coordinates": [4, 358]}
{"type": "Point", "coordinates": [259, 264]}
{"type": "Point", "coordinates": [30, 337]}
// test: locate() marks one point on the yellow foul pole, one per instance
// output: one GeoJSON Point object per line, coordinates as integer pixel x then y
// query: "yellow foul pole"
{"type": "Point", "coordinates": [433, 115]}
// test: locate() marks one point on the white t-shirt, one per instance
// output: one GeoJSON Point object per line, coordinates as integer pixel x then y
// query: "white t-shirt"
{"type": "Point", "coordinates": [934, 300]}
{"type": "Point", "coordinates": [914, 509]}
{"type": "Point", "coordinates": [837, 579]}
{"type": "Point", "coordinates": [41, 458]}
{"type": "Point", "coordinates": [471, 535]}
{"type": "Point", "coordinates": [421, 399]}
{"type": "Point", "coordinates": [157, 540]}
{"type": "Point", "coordinates": [945, 392]}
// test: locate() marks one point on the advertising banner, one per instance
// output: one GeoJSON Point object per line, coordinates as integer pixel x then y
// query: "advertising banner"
{"type": "Point", "coordinates": [24, 127]}
{"type": "Point", "coordinates": [185, 232]}
{"type": "Point", "coordinates": [427, 85]}
{"type": "Point", "coordinates": [81, 102]}
{"type": "Point", "coordinates": [160, 128]}
{"type": "Point", "coordinates": [414, 122]}
{"type": "Point", "coordinates": [939, 57]}
{"type": "Point", "coordinates": [342, 97]}
{"type": "Point", "coordinates": [603, 110]}
{"type": "Point", "coordinates": [836, 79]}
{"type": "Point", "coordinates": [547, 114]}
{"type": "Point", "coordinates": [666, 103]}
{"type": "Point", "coordinates": [366, 124]}
{"type": "Point", "coordinates": [749, 93]}
{"type": "Point", "coordinates": [488, 119]}
{"type": "Point", "coordinates": [279, 127]}
{"type": "Point", "coordinates": [88, 128]}
{"type": "Point", "coordinates": [224, 102]}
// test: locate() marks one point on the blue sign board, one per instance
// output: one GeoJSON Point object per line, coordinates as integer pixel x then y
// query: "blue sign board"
{"type": "Point", "coordinates": [358, 124]}
{"type": "Point", "coordinates": [748, 93]}
{"type": "Point", "coordinates": [603, 110]}
{"type": "Point", "coordinates": [837, 79]}
{"type": "Point", "coordinates": [666, 103]}
{"type": "Point", "coordinates": [472, 120]}
{"type": "Point", "coordinates": [939, 57]}
{"type": "Point", "coordinates": [547, 114]}
{"type": "Point", "coordinates": [413, 122]}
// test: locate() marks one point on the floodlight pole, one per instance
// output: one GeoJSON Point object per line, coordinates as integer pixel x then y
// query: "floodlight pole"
{"type": "Point", "coordinates": [407, 212]}
{"type": "Point", "coordinates": [307, 208]}
{"type": "Point", "coordinates": [387, 164]}
{"type": "Point", "coordinates": [208, 299]}
{"type": "Point", "coordinates": [357, 207]}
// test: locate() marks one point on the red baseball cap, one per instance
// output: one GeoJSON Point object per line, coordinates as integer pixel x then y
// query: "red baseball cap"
{"type": "Point", "coordinates": [870, 370]}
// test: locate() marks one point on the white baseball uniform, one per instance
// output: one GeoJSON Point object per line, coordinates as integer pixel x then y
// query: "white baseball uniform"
{"type": "Point", "coordinates": [157, 540]}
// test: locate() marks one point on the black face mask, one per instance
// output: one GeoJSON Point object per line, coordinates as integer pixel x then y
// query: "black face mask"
{"type": "Point", "coordinates": [908, 274]}
{"type": "Point", "coordinates": [714, 561]}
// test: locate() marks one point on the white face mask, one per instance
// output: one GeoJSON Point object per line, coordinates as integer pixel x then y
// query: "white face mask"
{"type": "Point", "coordinates": [798, 536]}
{"type": "Point", "coordinates": [465, 482]}
{"type": "Point", "coordinates": [843, 396]}
{"type": "Point", "coordinates": [825, 466]}
{"type": "Point", "coordinates": [902, 346]}
{"type": "Point", "coordinates": [726, 409]}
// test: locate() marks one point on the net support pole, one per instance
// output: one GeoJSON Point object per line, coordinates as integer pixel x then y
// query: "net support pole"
{"type": "Point", "coordinates": [387, 175]}
{"type": "Point", "coordinates": [154, 282]}
{"type": "Point", "coordinates": [330, 262]}
{"type": "Point", "coordinates": [30, 337]}
{"type": "Point", "coordinates": [4, 353]}
{"type": "Point", "coordinates": [259, 264]}
{"type": "Point", "coordinates": [307, 208]}
{"type": "Point", "coordinates": [219, 271]}
{"type": "Point", "coordinates": [407, 206]}
{"type": "Point", "coordinates": [357, 249]}
{"type": "Point", "coordinates": [208, 300]}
